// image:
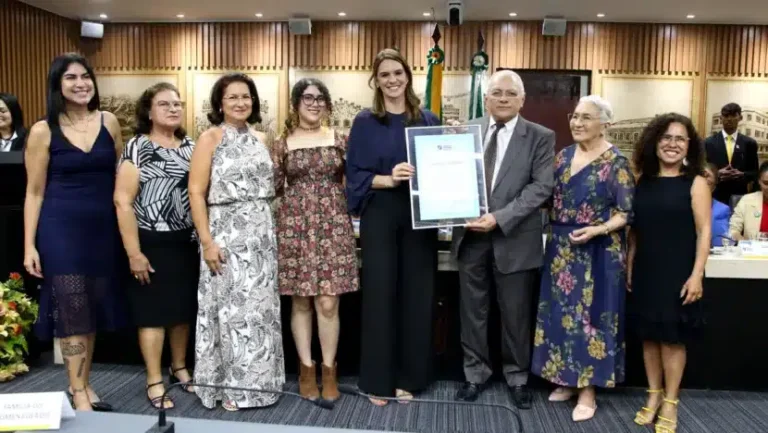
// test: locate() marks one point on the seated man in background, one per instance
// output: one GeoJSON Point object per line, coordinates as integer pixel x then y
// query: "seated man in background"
{"type": "Point", "coordinates": [721, 212]}
{"type": "Point", "coordinates": [749, 218]}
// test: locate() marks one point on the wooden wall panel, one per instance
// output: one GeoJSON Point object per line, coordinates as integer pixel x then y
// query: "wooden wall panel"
{"type": "Point", "coordinates": [29, 39]}
{"type": "Point", "coordinates": [667, 49]}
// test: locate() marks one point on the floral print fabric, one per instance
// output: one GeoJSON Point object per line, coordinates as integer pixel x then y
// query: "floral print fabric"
{"type": "Point", "coordinates": [239, 342]}
{"type": "Point", "coordinates": [579, 339]}
{"type": "Point", "coordinates": [316, 241]}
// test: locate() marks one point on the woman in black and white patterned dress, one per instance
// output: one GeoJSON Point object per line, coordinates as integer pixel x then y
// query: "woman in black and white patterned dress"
{"type": "Point", "coordinates": [239, 339]}
{"type": "Point", "coordinates": [156, 226]}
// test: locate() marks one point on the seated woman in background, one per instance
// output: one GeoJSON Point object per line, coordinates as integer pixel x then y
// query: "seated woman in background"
{"type": "Point", "coordinates": [749, 218]}
{"type": "Point", "coordinates": [721, 212]}
{"type": "Point", "coordinates": [155, 221]}
{"type": "Point", "coordinates": [12, 131]}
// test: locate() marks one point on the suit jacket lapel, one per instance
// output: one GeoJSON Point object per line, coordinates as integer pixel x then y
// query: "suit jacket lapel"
{"type": "Point", "coordinates": [722, 148]}
{"type": "Point", "coordinates": [738, 151]}
{"type": "Point", "coordinates": [521, 130]}
{"type": "Point", "coordinates": [486, 123]}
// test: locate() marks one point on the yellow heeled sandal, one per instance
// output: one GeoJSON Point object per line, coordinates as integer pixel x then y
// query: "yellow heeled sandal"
{"type": "Point", "coordinates": [669, 426]}
{"type": "Point", "coordinates": [646, 416]}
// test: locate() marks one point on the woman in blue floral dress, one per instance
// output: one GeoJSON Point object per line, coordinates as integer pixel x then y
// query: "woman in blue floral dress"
{"type": "Point", "coordinates": [579, 340]}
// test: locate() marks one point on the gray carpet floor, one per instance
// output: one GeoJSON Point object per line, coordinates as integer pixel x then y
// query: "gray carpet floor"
{"type": "Point", "coordinates": [700, 411]}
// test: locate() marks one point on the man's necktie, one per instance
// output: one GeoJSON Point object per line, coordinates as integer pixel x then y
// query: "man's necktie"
{"type": "Point", "coordinates": [729, 147]}
{"type": "Point", "coordinates": [489, 159]}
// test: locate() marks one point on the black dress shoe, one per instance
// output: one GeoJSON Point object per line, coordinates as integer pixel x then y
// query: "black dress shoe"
{"type": "Point", "coordinates": [521, 396]}
{"type": "Point", "coordinates": [469, 391]}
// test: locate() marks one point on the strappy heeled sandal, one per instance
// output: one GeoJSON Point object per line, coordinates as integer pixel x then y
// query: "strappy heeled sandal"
{"type": "Point", "coordinates": [71, 394]}
{"type": "Point", "coordinates": [230, 406]}
{"type": "Point", "coordinates": [174, 380]}
{"type": "Point", "coordinates": [669, 426]}
{"type": "Point", "coordinates": [403, 396]}
{"type": "Point", "coordinates": [646, 416]}
{"type": "Point", "coordinates": [159, 402]}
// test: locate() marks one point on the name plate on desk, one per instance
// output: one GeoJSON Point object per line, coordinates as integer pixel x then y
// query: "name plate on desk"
{"type": "Point", "coordinates": [754, 249]}
{"type": "Point", "coordinates": [34, 411]}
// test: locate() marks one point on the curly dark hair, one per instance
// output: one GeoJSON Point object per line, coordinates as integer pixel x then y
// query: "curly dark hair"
{"type": "Point", "coordinates": [296, 93]}
{"type": "Point", "coordinates": [646, 162]}
{"type": "Point", "coordinates": [216, 116]}
{"type": "Point", "coordinates": [144, 106]}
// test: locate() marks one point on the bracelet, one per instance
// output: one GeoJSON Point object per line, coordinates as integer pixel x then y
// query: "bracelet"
{"type": "Point", "coordinates": [606, 230]}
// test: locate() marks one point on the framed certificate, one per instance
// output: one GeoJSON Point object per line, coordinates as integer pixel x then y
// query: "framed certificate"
{"type": "Point", "coordinates": [448, 188]}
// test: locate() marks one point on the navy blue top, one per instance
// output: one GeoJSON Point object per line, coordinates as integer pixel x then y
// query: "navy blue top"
{"type": "Point", "coordinates": [375, 147]}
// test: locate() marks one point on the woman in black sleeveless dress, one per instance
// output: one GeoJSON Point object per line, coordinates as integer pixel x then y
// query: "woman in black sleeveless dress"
{"type": "Point", "coordinates": [669, 244]}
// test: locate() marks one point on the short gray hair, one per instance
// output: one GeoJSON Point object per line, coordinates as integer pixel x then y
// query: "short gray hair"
{"type": "Point", "coordinates": [508, 74]}
{"type": "Point", "coordinates": [603, 107]}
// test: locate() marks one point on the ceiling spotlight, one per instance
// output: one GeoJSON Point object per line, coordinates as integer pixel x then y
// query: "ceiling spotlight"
{"type": "Point", "coordinates": [601, 15]}
{"type": "Point", "coordinates": [426, 14]}
{"type": "Point", "coordinates": [513, 14]}
{"type": "Point", "coordinates": [259, 15]}
{"type": "Point", "coordinates": [103, 16]}
{"type": "Point", "coordinates": [180, 16]}
{"type": "Point", "coordinates": [691, 16]}
{"type": "Point", "coordinates": [342, 14]}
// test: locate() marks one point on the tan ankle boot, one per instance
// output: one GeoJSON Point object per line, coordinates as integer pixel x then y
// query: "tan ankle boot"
{"type": "Point", "coordinates": [308, 381]}
{"type": "Point", "coordinates": [330, 385]}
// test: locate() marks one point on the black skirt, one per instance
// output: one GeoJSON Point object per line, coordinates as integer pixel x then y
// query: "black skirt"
{"type": "Point", "coordinates": [171, 296]}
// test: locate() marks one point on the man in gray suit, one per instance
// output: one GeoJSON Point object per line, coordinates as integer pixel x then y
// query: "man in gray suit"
{"type": "Point", "coordinates": [503, 248]}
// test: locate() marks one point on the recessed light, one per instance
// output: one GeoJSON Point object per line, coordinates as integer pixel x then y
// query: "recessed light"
{"type": "Point", "coordinates": [691, 16]}
{"type": "Point", "coordinates": [103, 16]}
{"type": "Point", "coordinates": [180, 16]}
{"type": "Point", "coordinates": [513, 14]}
{"type": "Point", "coordinates": [342, 14]}
{"type": "Point", "coordinates": [600, 15]}
{"type": "Point", "coordinates": [426, 14]}
{"type": "Point", "coordinates": [259, 15]}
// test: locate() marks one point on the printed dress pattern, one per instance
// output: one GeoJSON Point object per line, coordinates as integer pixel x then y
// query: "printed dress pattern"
{"type": "Point", "coordinates": [239, 340]}
{"type": "Point", "coordinates": [579, 339]}
{"type": "Point", "coordinates": [316, 240]}
{"type": "Point", "coordinates": [163, 200]}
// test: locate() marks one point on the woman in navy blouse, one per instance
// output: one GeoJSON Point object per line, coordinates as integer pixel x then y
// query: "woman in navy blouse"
{"type": "Point", "coordinates": [399, 263]}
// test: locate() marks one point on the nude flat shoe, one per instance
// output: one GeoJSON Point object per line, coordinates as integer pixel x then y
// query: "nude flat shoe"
{"type": "Point", "coordinates": [561, 394]}
{"type": "Point", "coordinates": [583, 412]}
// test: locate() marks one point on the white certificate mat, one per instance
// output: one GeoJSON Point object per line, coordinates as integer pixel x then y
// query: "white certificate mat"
{"type": "Point", "coordinates": [447, 177]}
{"type": "Point", "coordinates": [448, 188]}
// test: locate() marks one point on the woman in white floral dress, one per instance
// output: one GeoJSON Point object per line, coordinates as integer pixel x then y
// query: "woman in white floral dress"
{"type": "Point", "coordinates": [239, 340]}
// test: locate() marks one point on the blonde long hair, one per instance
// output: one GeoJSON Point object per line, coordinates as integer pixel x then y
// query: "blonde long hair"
{"type": "Point", "coordinates": [412, 102]}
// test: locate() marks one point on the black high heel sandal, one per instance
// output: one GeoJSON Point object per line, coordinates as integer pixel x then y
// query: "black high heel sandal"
{"type": "Point", "coordinates": [159, 402]}
{"type": "Point", "coordinates": [174, 380]}
{"type": "Point", "coordinates": [97, 406]}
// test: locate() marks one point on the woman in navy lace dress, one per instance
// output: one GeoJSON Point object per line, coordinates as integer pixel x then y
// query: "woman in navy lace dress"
{"type": "Point", "coordinates": [70, 227]}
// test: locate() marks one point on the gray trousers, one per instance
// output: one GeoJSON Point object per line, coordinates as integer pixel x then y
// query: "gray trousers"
{"type": "Point", "coordinates": [477, 276]}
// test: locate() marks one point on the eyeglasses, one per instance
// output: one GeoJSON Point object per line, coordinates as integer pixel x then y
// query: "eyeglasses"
{"type": "Point", "coordinates": [166, 106]}
{"type": "Point", "coordinates": [234, 99]}
{"type": "Point", "coordinates": [309, 99]}
{"type": "Point", "coordinates": [573, 117]}
{"type": "Point", "coordinates": [666, 138]}
{"type": "Point", "coordinates": [499, 94]}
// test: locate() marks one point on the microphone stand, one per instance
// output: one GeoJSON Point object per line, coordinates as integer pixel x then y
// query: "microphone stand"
{"type": "Point", "coordinates": [165, 426]}
{"type": "Point", "coordinates": [351, 390]}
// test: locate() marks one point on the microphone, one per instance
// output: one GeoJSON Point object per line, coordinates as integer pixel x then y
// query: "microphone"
{"type": "Point", "coordinates": [165, 426]}
{"type": "Point", "coordinates": [353, 390]}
